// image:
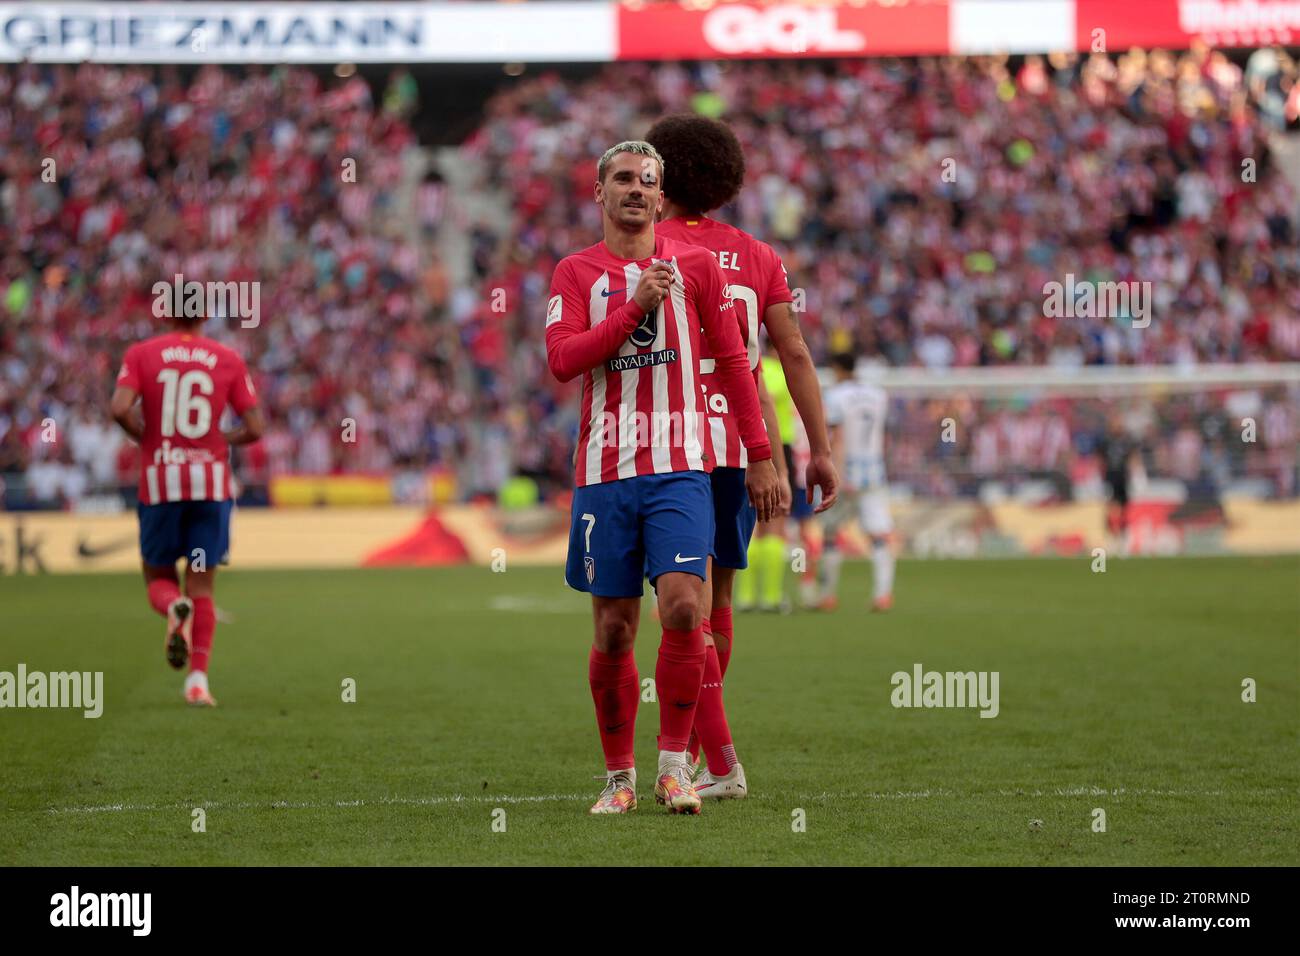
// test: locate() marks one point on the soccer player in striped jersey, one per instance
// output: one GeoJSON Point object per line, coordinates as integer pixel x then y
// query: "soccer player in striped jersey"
{"type": "Point", "coordinates": [630, 315]}
{"type": "Point", "coordinates": [171, 392]}
{"type": "Point", "coordinates": [706, 170]}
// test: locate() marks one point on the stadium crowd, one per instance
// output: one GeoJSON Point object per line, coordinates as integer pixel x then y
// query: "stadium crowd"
{"type": "Point", "coordinates": [117, 178]}
{"type": "Point", "coordinates": [921, 207]}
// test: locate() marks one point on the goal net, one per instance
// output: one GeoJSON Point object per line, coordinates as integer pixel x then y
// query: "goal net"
{"type": "Point", "coordinates": [1042, 460]}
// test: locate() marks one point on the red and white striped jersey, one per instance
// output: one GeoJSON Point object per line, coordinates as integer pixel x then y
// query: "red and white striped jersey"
{"type": "Point", "coordinates": [755, 280]}
{"type": "Point", "coordinates": [185, 382]}
{"type": "Point", "coordinates": [643, 409]}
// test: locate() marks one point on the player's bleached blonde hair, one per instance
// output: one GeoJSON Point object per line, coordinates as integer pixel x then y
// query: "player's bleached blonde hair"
{"type": "Point", "coordinates": [638, 147]}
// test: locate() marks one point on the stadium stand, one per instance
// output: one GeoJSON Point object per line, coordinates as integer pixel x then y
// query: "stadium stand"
{"type": "Point", "coordinates": [407, 300]}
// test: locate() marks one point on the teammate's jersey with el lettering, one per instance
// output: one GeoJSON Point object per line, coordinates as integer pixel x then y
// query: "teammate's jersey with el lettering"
{"type": "Point", "coordinates": [185, 382]}
{"type": "Point", "coordinates": [755, 279]}
{"type": "Point", "coordinates": [643, 409]}
{"type": "Point", "coordinates": [859, 410]}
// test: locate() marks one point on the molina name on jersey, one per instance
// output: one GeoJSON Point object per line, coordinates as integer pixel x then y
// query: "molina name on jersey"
{"type": "Point", "coordinates": [755, 280]}
{"type": "Point", "coordinates": [185, 382]}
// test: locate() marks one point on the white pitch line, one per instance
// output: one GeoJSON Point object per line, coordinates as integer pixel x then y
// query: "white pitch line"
{"type": "Point", "coordinates": [566, 797]}
{"type": "Point", "coordinates": [322, 805]}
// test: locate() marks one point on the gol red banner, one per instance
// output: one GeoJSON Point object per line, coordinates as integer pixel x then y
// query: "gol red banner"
{"type": "Point", "coordinates": [666, 31]}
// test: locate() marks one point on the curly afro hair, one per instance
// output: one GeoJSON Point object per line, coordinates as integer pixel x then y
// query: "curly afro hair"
{"type": "Point", "coordinates": [703, 162]}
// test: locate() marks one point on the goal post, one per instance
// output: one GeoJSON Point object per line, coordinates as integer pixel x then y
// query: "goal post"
{"type": "Point", "coordinates": [1032, 460]}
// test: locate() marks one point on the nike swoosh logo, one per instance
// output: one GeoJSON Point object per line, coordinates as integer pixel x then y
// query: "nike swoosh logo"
{"type": "Point", "coordinates": [683, 704]}
{"type": "Point", "coordinates": [86, 550]}
{"type": "Point", "coordinates": [680, 560]}
{"type": "Point", "coordinates": [608, 292]}
{"type": "Point", "coordinates": [616, 728]}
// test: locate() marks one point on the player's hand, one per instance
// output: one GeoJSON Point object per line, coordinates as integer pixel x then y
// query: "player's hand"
{"type": "Point", "coordinates": [820, 473]}
{"type": "Point", "coordinates": [787, 498]}
{"type": "Point", "coordinates": [653, 286]}
{"type": "Point", "coordinates": [764, 487]}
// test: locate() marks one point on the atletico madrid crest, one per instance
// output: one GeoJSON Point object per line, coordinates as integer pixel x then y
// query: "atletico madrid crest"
{"type": "Point", "coordinates": [644, 335]}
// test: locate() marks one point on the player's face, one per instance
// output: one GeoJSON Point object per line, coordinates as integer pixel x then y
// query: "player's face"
{"type": "Point", "coordinates": [631, 194]}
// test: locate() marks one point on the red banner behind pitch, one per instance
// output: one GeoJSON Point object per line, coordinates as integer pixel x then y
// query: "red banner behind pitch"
{"type": "Point", "coordinates": [1174, 24]}
{"type": "Point", "coordinates": [666, 31]}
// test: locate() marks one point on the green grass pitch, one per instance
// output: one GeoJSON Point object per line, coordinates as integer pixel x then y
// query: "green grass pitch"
{"type": "Point", "coordinates": [1120, 691]}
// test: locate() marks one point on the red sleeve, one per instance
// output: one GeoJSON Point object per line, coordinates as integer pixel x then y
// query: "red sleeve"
{"type": "Point", "coordinates": [128, 376]}
{"type": "Point", "coordinates": [242, 394]}
{"type": "Point", "coordinates": [571, 347]}
{"type": "Point", "coordinates": [778, 283]}
{"type": "Point", "coordinates": [731, 364]}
